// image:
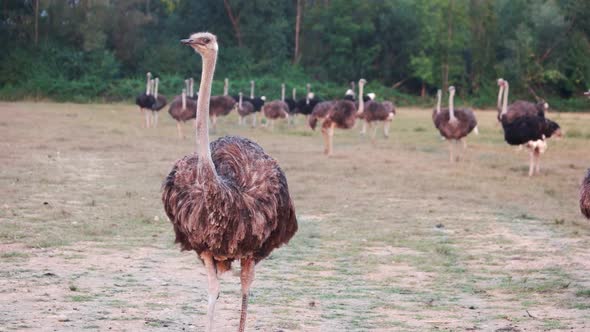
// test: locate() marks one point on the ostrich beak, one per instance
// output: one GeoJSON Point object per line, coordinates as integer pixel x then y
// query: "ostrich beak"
{"type": "Point", "coordinates": [186, 41]}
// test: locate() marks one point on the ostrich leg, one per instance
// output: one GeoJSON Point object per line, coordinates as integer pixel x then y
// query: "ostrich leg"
{"type": "Point", "coordinates": [214, 123]}
{"type": "Point", "coordinates": [326, 140]}
{"type": "Point", "coordinates": [532, 163]}
{"type": "Point", "coordinates": [464, 141]}
{"type": "Point", "coordinates": [213, 289]}
{"type": "Point", "coordinates": [364, 130]}
{"type": "Point", "coordinates": [537, 162]}
{"type": "Point", "coordinates": [331, 138]}
{"type": "Point", "coordinates": [386, 128]}
{"type": "Point", "coordinates": [147, 118]}
{"type": "Point", "coordinates": [246, 278]}
{"type": "Point", "coordinates": [451, 148]}
{"type": "Point", "coordinates": [179, 130]}
{"type": "Point", "coordinates": [155, 114]}
{"type": "Point", "coordinates": [254, 121]}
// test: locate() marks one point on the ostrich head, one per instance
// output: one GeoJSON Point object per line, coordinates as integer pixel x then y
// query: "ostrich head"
{"type": "Point", "coordinates": [349, 92]}
{"type": "Point", "coordinates": [362, 81]}
{"type": "Point", "coordinates": [372, 95]}
{"type": "Point", "coordinates": [501, 82]}
{"type": "Point", "coordinates": [552, 129]}
{"type": "Point", "coordinates": [452, 89]}
{"type": "Point", "coordinates": [149, 74]}
{"type": "Point", "coordinates": [439, 93]}
{"type": "Point", "coordinates": [204, 43]}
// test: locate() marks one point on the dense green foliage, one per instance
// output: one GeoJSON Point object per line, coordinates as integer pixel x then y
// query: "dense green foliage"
{"type": "Point", "coordinates": [100, 49]}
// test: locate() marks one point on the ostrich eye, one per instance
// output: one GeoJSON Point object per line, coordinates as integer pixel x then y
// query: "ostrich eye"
{"type": "Point", "coordinates": [206, 40]}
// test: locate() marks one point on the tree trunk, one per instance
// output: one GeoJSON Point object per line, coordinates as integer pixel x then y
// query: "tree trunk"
{"type": "Point", "coordinates": [297, 31]}
{"type": "Point", "coordinates": [36, 22]}
{"type": "Point", "coordinates": [423, 90]}
{"type": "Point", "coordinates": [235, 22]}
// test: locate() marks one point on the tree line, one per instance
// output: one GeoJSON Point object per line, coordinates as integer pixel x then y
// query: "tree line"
{"type": "Point", "coordinates": [100, 49]}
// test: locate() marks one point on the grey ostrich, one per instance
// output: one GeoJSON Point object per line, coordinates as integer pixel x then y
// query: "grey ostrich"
{"type": "Point", "coordinates": [454, 125]}
{"type": "Point", "coordinates": [228, 201]}
{"type": "Point", "coordinates": [244, 108]}
{"type": "Point", "coordinates": [376, 112]}
{"type": "Point", "coordinates": [182, 109]}
{"type": "Point", "coordinates": [221, 105]}
{"type": "Point", "coordinates": [276, 109]}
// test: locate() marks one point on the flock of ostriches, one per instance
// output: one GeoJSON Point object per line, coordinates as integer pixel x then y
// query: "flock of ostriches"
{"type": "Point", "coordinates": [230, 200]}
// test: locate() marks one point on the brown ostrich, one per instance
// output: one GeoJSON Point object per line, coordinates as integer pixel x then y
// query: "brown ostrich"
{"type": "Point", "coordinates": [454, 125]}
{"type": "Point", "coordinates": [334, 114]}
{"type": "Point", "coordinates": [276, 109]}
{"type": "Point", "coordinates": [585, 195]}
{"type": "Point", "coordinates": [375, 112]}
{"type": "Point", "coordinates": [221, 105]}
{"type": "Point", "coordinates": [244, 108]}
{"type": "Point", "coordinates": [518, 108]}
{"type": "Point", "coordinates": [182, 109]}
{"type": "Point", "coordinates": [228, 201]}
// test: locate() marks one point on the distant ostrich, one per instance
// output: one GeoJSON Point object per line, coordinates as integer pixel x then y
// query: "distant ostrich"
{"type": "Point", "coordinates": [525, 123]}
{"type": "Point", "coordinates": [244, 108]}
{"type": "Point", "coordinates": [306, 105]}
{"type": "Point", "coordinates": [585, 195]}
{"type": "Point", "coordinates": [146, 100]}
{"type": "Point", "coordinates": [375, 111]}
{"type": "Point", "coordinates": [221, 105]}
{"type": "Point", "coordinates": [519, 108]}
{"type": "Point", "coordinates": [334, 114]}
{"type": "Point", "coordinates": [454, 125]}
{"type": "Point", "coordinates": [182, 109]}
{"type": "Point", "coordinates": [257, 102]}
{"type": "Point", "coordinates": [276, 109]}
{"type": "Point", "coordinates": [161, 101]}
{"type": "Point", "coordinates": [229, 200]}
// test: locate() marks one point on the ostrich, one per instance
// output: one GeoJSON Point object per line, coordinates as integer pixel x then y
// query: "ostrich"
{"type": "Point", "coordinates": [161, 101]}
{"type": "Point", "coordinates": [519, 108]}
{"type": "Point", "coordinates": [190, 89]}
{"type": "Point", "coordinates": [244, 108]}
{"type": "Point", "coordinates": [306, 105]}
{"type": "Point", "coordinates": [257, 102]}
{"type": "Point", "coordinates": [525, 123]}
{"type": "Point", "coordinates": [334, 114]}
{"type": "Point", "coordinates": [276, 109]}
{"type": "Point", "coordinates": [182, 109]}
{"type": "Point", "coordinates": [146, 100]}
{"type": "Point", "coordinates": [221, 105]}
{"type": "Point", "coordinates": [454, 125]}
{"type": "Point", "coordinates": [374, 111]}
{"type": "Point", "coordinates": [585, 195]}
{"type": "Point", "coordinates": [229, 200]}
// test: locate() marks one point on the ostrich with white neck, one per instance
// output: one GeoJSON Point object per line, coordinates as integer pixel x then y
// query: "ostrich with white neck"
{"type": "Point", "coordinates": [228, 201]}
{"type": "Point", "coordinates": [455, 124]}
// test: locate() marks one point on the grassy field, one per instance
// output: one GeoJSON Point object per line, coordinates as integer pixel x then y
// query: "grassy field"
{"type": "Point", "coordinates": [392, 237]}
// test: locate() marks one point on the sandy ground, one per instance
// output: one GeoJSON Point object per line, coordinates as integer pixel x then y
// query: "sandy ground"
{"type": "Point", "coordinates": [392, 236]}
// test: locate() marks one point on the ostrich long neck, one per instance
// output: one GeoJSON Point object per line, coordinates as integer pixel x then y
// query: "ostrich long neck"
{"type": "Point", "coordinates": [294, 94]}
{"type": "Point", "coordinates": [282, 92]}
{"type": "Point", "coordinates": [439, 96]}
{"type": "Point", "coordinates": [505, 101]}
{"type": "Point", "coordinates": [191, 83]}
{"type": "Point", "coordinates": [203, 150]}
{"type": "Point", "coordinates": [451, 106]}
{"type": "Point", "coordinates": [307, 94]}
{"type": "Point", "coordinates": [240, 102]}
{"type": "Point", "coordinates": [147, 85]}
{"type": "Point", "coordinates": [183, 100]}
{"type": "Point", "coordinates": [251, 90]}
{"type": "Point", "coordinates": [499, 107]}
{"type": "Point", "coordinates": [156, 88]}
{"type": "Point", "coordinates": [225, 87]}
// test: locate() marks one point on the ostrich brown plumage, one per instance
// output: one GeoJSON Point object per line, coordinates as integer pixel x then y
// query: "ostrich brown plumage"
{"type": "Point", "coordinates": [244, 109]}
{"type": "Point", "coordinates": [375, 111]}
{"type": "Point", "coordinates": [519, 108]}
{"type": "Point", "coordinates": [182, 109]}
{"type": "Point", "coordinates": [455, 125]}
{"type": "Point", "coordinates": [585, 195]}
{"type": "Point", "coordinates": [276, 109]}
{"type": "Point", "coordinates": [221, 105]}
{"type": "Point", "coordinates": [229, 200]}
{"type": "Point", "coordinates": [333, 114]}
